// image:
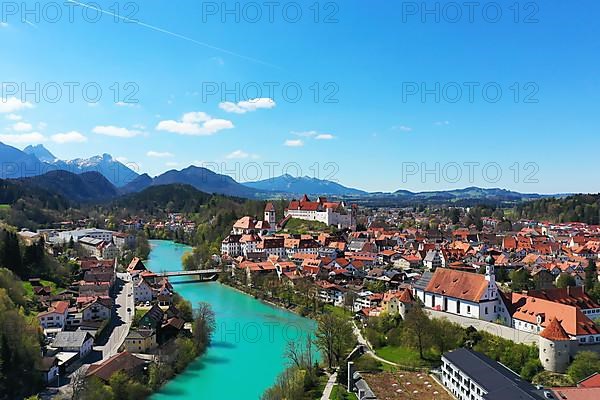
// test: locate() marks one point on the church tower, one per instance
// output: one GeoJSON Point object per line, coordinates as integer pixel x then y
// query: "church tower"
{"type": "Point", "coordinates": [490, 273]}
{"type": "Point", "coordinates": [270, 216]}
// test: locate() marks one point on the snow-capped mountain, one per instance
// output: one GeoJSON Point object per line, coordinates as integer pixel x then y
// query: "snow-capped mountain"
{"type": "Point", "coordinates": [42, 153]}
{"type": "Point", "coordinates": [116, 172]}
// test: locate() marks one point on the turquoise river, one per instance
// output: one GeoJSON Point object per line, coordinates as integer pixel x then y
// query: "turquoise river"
{"type": "Point", "coordinates": [248, 347]}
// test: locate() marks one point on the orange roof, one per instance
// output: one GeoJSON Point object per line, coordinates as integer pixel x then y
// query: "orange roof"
{"type": "Point", "coordinates": [592, 381]}
{"type": "Point", "coordinates": [576, 393]}
{"type": "Point", "coordinates": [458, 284]}
{"type": "Point", "coordinates": [554, 331]}
{"type": "Point", "coordinates": [245, 223]}
{"type": "Point", "coordinates": [574, 322]}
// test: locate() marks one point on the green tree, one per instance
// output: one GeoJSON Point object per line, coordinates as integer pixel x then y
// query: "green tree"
{"type": "Point", "coordinates": [521, 280]}
{"type": "Point", "coordinates": [531, 368]}
{"type": "Point", "coordinates": [119, 382]}
{"type": "Point", "coordinates": [334, 337]}
{"type": "Point", "coordinates": [447, 334]}
{"type": "Point", "coordinates": [204, 326]}
{"type": "Point", "coordinates": [591, 275]}
{"type": "Point", "coordinates": [565, 280]}
{"type": "Point", "coordinates": [584, 365]}
{"type": "Point", "coordinates": [417, 325]}
{"type": "Point", "coordinates": [95, 389]}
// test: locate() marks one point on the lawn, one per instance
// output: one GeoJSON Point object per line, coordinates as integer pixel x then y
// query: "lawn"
{"type": "Point", "coordinates": [301, 226]}
{"type": "Point", "coordinates": [338, 311]}
{"type": "Point", "coordinates": [408, 357]}
{"type": "Point", "coordinates": [340, 393]}
{"type": "Point", "coordinates": [4, 207]}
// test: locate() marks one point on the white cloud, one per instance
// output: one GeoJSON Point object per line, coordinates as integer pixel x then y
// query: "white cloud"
{"type": "Point", "coordinates": [24, 138]}
{"type": "Point", "coordinates": [217, 60]}
{"type": "Point", "coordinates": [195, 124]}
{"type": "Point", "coordinates": [294, 143]}
{"type": "Point", "coordinates": [402, 128]}
{"type": "Point", "coordinates": [139, 126]}
{"type": "Point", "coordinates": [122, 159]}
{"type": "Point", "coordinates": [324, 136]}
{"type": "Point", "coordinates": [13, 104]}
{"type": "Point", "coordinates": [3, 25]}
{"type": "Point", "coordinates": [243, 107]}
{"type": "Point", "coordinates": [69, 137]}
{"type": "Point", "coordinates": [442, 123]}
{"type": "Point", "coordinates": [22, 127]}
{"type": "Point", "coordinates": [13, 117]}
{"type": "Point", "coordinates": [158, 154]}
{"type": "Point", "coordinates": [238, 154]}
{"type": "Point", "coordinates": [116, 131]}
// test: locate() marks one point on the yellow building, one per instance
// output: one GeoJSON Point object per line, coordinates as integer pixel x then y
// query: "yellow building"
{"type": "Point", "coordinates": [140, 341]}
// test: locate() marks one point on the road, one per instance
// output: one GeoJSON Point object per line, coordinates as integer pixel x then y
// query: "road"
{"type": "Point", "coordinates": [367, 346]}
{"type": "Point", "coordinates": [329, 386]}
{"type": "Point", "coordinates": [123, 302]}
{"type": "Point", "coordinates": [495, 329]}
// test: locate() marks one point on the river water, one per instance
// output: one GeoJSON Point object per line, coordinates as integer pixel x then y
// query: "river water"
{"type": "Point", "coordinates": [248, 347]}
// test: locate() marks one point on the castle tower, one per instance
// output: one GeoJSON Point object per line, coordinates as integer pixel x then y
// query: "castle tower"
{"type": "Point", "coordinates": [270, 215]}
{"type": "Point", "coordinates": [555, 347]}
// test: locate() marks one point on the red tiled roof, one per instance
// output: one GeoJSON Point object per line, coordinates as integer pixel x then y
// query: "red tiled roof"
{"type": "Point", "coordinates": [592, 381]}
{"type": "Point", "coordinates": [575, 393]}
{"type": "Point", "coordinates": [574, 322]}
{"type": "Point", "coordinates": [554, 331]}
{"type": "Point", "coordinates": [457, 284]}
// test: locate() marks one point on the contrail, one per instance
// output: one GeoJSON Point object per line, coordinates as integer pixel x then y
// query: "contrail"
{"type": "Point", "coordinates": [177, 35]}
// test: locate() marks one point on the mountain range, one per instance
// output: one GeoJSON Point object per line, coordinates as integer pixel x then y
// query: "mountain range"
{"type": "Point", "coordinates": [115, 171]}
{"type": "Point", "coordinates": [103, 177]}
{"type": "Point", "coordinates": [300, 185]}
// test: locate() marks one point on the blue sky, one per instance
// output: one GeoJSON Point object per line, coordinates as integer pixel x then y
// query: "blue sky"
{"type": "Point", "coordinates": [373, 59]}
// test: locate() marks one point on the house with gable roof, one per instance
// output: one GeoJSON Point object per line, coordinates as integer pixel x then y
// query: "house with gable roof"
{"type": "Point", "coordinates": [463, 293]}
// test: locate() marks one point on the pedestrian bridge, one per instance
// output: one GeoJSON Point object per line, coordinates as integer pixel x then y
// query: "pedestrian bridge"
{"type": "Point", "coordinates": [201, 274]}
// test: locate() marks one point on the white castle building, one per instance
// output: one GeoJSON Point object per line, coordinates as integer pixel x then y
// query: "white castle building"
{"type": "Point", "coordinates": [336, 213]}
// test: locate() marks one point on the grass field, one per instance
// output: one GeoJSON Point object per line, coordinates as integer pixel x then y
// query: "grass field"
{"type": "Point", "coordinates": [340, 393]}
{"type": "Point", "coordinates": [408, 357]}
{"type": "Point", "coordinates": [301, 226]}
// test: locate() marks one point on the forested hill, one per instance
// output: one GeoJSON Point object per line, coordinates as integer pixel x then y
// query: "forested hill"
{"type": "Point", "coordinates": [578, 208]}
{"type": "Point", "coordinates": [160, 200]}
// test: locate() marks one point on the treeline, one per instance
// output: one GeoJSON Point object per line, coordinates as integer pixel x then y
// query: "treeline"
{"type": "Point", "coordinates": [31, 261]}
{"type": "Point", "coordinates": [579, 208]}
{"type": "Point", "coordinates": [31, 207]}
{"type": "Point", "coordinates": [20, 349]}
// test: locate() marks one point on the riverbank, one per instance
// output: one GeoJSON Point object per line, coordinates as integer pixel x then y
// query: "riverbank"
{"type": "Point", "coordinates": [250, 338]}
